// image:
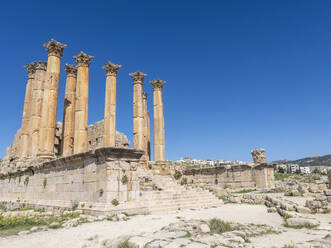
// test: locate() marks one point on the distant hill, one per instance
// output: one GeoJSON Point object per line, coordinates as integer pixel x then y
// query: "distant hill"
{"type": "Point", "coordinates": [324, 160]}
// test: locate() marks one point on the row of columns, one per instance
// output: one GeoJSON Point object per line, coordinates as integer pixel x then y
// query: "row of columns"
{"type": "Point", "coordinates": [41, 100]}
{"type": "Point", "coordinates": [40, 104]}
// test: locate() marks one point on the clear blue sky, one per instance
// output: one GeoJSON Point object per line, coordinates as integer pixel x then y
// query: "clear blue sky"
{"type": "Point", "coordinates": [240, 74]}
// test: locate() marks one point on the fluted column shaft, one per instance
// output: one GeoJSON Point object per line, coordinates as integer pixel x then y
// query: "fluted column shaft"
{"type": "Point", "coordinates": [146, 128]}
{"type": "Point", "coordinates": [51, 92]}
{"type": "Point", "coordinates": [24, 137]}
{"type": "Point", "coordinates": [37, 94]}
{"type": "Point", "coordinates": [138, 110]}
{"type": "Point", "coordinates": [69, 111]}
{"type": "Point", "coordinates": [110, 104]}
{"type": "Point", "coordinates": [159, 141]}
{"type": "Point", "coordinates": [81, 104]}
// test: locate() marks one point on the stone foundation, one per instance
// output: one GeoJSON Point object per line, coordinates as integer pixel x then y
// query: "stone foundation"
{"type": "Point", "coordinates": [242, 176]}
{"type": "Point", "coordinates": [94, 177]}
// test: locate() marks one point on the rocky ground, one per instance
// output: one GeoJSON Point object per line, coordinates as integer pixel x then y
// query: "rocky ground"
{"type": "Point", "coordinates": [295, 214]}
{"type": "Point", "coordinates": [231, 225]}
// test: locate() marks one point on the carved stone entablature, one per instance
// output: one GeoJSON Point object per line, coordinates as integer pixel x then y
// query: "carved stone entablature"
{"type": "Point", "coordinates": [138, 77]}
{"type": "Point", "coordinates": [145, 95]}
{"type": "Point", "coordinates": [40, 65]}
{"type": "Point", "coordinates": [31, 68]}
{"type": "Point", "coordinates": [83, 59]}
{"type": "Point", "coordinates": [55, 48]}
{"type": "Point", "coordinates": [71, 70]}
{"type": "Point", "coordinates": [157, 84]}
{"type": "Point", "coordinates": [111, 69]}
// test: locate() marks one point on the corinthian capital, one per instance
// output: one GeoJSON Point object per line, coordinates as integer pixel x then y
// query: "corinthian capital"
{"type": "Point", "coordinates": [138, 77]}
{"type": "Point", "coordinates": [31, 68]}
{"type": "Point", "coordinates": [145, 95]}
{"type": "Point", "coordinates": [157, 84]}
{"type": "Point", "coordinates": [82, 59]}
{"type": "Point", "coordinates": [71, 70]}
{"type": "Point", "coordinates": [111, 69]}
{"type": "Point", "coordinates": [55, 48]}
{"type": "Point", "coordinates": [40, 65]}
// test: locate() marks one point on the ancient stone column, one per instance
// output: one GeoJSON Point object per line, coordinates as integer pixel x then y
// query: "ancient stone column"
{"type": "Point", "coordinates": [81, 104]}
{"type": "Point", "coordinates": [36, 106]}
{"type": "Point", "coordinates": [138, 110]}
{"type": "Point", "coordinates": [110, 104]}
{"type": "Point", "coordinates": [159, 148]}
{"type": "Point", "coordinates": [24, 139]}
{"type": "Point", "coordinates": [146, 128]}
{"type": "Point", "coordinates": [259, 156]}
{"type": "Point", "coordinates": [50, 100]}
{"type": "Point", "coordinates": [69, 111]}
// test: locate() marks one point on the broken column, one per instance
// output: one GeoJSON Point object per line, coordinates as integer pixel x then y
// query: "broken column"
{"type": "Point", "coordinates": [146, 128]}
{"type": "Point", "coordinates": [81, 104]}
{"type": "Point", "coordinates": [50, 99]}
{"type": "Point", "coordinates": [110, 104]}
{"type": "Point", "coordinates": [36, 105]}
{"type": "Point", "coordinates": [159, 148]}
{"type": "Point", "coordinates": [24, 138]}
{"type": "Point", "coordinates": [69, 111]}
{"type": "Point", "coordinates": [138, 110]}
{"type": "Point", "coordinates": [259, 156]}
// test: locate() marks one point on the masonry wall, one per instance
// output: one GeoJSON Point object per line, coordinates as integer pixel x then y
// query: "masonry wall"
{"type": "Point", "coordinates": [91, 177]}
{"type": "Point", "coordinates": [233, 177]}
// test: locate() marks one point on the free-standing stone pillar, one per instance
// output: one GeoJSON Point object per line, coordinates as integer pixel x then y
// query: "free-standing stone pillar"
{"type": "Point", "coordinates": [159, 148]}
{"type": "Point", "coordinates": [81, 104]}
{"type": "Point", "coordinates": [138, 110]}
{"type": "Point", "coordinates": [69, 111]}
{"type": "Point", "coordinates": [147, 134]}
{"type": "Point", "coordinates": [50, 100]}
{"type": "Point", "coordinates": [36, 105]}
{"type": "Point", "coordinates": [24, 138]}
{"type": "Point", "coordinates": [110, 104]}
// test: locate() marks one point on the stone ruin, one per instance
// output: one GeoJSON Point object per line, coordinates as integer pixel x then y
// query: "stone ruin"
{"type": "Point", "coordinates": [259, 156]}
{"type": "Point", "coordinates": [62, 164]}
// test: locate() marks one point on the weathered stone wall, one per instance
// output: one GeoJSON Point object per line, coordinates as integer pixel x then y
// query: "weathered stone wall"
{"type": "Point", "coordinates": [95, 137]}
{"type": "Point", "coordinates": [91, 177]}
{"type": "Point", "coordinates": [94, 133]}
{"type": "Point", "coordinates": [241, 176]}
{"type": "Point", "coordinates": [329, 176]}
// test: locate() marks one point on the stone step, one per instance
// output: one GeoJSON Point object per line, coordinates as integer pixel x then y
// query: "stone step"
{"type": "Point", "coordinates": [180, 207]}
{"type": "Point", "coordinates": [179, 199]}
{"type": "Point", "coordinates": [177, 195]}
{"type": "Point", "coordinates": [183, 203]}
{"type": "Point", "coordinates": [171, 198]}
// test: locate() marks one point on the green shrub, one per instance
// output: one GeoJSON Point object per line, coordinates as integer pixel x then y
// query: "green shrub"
{"type": "Point", "coordinates": [45, 182]}
{"type": "Point", "coordinates": [183, 181]}
{"type": "Point", "coordinates": [74, 206]}
{"type": "Point", "coordinates": [281, 176]}
{"type": "Point", "coordinates": [124, 179]}
{"type": "Point", "coordinates": [26, 181]}
{"type": "Point", "coordinates": [125, 244]}
{"type": "Point", "coordinates": [100, 192]}
{"type": "Point", "coordinates": [219, 226]}
{"type": "Point", "coordinates": [114, 202]}
{"type": "Point", "coordinates": [177, 175]}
